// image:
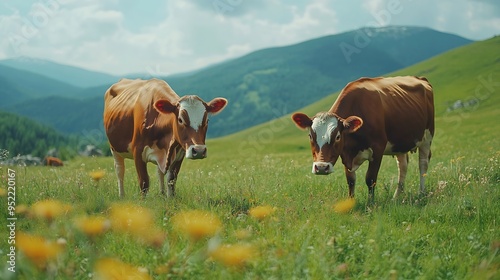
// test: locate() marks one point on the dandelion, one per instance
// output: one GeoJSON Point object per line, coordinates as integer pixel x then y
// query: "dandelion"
{"type": "Point", "coordinates": [344, 206]}
{"type": "Point", "coordinates": [131, 218]}
{"type": "Point", "coordinates": [155, 238]}
{"type": "Point", "coordinates": [112, 269]}
{"type": "Point", "coordinates": [92, 226]}
{"type": "Point", "coordinates": [97, 175]}
{"type": "Point", "coordinates": [22, 209]}
{"type": "Point", "coordinates": [137, 221]}
{"type": "Point", "coordinates": [261, 212]}
{"type": "Point", "coordinates": [197, 224]}
{"type": "Point", "coordinates": [235, 255]}
{"type": "Point", "coordinates": [37, 249]}
{"type": "Point", "coordinates": [243, 234]}
{"type": "Point", "coordinates": [49, 209]}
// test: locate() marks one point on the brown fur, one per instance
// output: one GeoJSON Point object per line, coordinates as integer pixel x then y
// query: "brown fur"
{"type": "Point", "coordinates": [52, 161]}
{"type": "Point", "coordinates": [393, 110]}
{"type": "Point", "coordinates": [133, 121]}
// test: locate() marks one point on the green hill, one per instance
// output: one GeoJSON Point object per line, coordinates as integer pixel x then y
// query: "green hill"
{"type": "Point", "coordinates": [75, 76]}
{"type": "Point", "coordinates": [272, 82]}
{"type": "Point", "coordinates": [464, 73]}
{"type": "Point", "coordinates": [269, 83]}
{"type": "Point", "coordinates": [67, 115]}
{"type": "Point", "coordinates": [21, 85]}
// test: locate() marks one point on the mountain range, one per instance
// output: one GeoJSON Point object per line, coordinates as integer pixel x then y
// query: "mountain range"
{"type": "Point", "coordinates": [260, 86]}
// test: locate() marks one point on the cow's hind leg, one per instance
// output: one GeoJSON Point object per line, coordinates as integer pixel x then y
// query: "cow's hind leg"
{"type": "Point", "coordinates": [120, 172]}
{"type": "Point", "coordinates": [424, 156]}
{"type": "Point", "coordinates": [402, 160]}
{"type": "Point", "coordinates": [142, 173]}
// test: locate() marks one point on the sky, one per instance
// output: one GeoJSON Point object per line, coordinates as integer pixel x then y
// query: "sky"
{"type": "Point", "coordinates": [163, 37]}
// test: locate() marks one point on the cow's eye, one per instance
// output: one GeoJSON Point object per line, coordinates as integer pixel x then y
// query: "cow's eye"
{"type": "Point", "coordinates": [180, 120]}
{"type": "Point", "coordinates": [337, 138]}
{"type": "Point", "coordinates": [310, 137]}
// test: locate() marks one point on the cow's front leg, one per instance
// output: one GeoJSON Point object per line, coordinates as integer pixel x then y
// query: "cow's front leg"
{"type": "Point", "coordinates": [161, 179]}
{"type": "Point", "coordinates": [351, 181]}
{"type": "Point", "coordinates": [371, 175]}
{"type": "Point", "coordinates": [173, 170]}
{"type": "Point", "coordinates": [142, 173]}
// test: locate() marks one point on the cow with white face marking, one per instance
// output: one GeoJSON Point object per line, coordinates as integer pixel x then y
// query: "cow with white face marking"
{"type": "Point", "coordinates": [373, 117]}
{"type": "Point", "coordinates": [147, 121]}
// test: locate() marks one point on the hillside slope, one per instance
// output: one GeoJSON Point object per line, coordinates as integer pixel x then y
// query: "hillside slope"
{"type": "Point", "coordinates": [67, 115]}
{"type": "Point", "coordinates": [272, 82]}
{"type": "Point", "coordinates": [20, 85]}
{"type": "Point", "coordinates": [468, 72]}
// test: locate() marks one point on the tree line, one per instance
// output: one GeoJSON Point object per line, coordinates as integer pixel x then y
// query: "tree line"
{"type": "Point", "coordinates": [21, 136]}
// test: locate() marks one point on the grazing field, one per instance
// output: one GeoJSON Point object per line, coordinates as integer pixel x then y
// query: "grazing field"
{"type": "Point", "coordinates": [253, 210]}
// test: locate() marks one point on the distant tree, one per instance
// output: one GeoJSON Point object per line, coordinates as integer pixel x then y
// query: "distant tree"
{"type": "Point", "coordinates": [20, 135]}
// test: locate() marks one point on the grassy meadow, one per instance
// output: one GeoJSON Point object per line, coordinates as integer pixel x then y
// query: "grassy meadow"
{"type": "Point", "coordinates": [253, 209]}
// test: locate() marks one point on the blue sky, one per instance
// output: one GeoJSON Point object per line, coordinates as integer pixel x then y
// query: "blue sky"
{"type": "Point", "coordinates": [172, 36]}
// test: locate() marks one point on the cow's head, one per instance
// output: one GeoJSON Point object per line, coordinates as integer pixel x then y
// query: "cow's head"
{"type": "Point", "coordinates": [326, 134]}
{"type": "Point", "coordinates": [191, 121]}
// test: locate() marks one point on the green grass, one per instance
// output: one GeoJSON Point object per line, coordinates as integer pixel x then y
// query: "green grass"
{"type": "Point", "coordinates": [451, 233]}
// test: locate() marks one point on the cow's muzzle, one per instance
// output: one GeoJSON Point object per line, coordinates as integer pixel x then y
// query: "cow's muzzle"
{"type": "Point", "coordinates": [322, 168]}
{"type": "Point", "coordinates": [196, 152]}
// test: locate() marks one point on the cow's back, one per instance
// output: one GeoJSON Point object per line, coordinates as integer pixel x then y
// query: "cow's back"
{"type": "Point", "coordinates": [401, 108]}
{"type": "Point", "coordinates": [129, 103]}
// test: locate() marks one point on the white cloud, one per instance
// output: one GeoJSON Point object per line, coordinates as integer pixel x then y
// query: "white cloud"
{"type": "Point", "coordinates": [167, 37]}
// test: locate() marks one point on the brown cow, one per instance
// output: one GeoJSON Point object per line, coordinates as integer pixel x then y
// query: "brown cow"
{"type": "Point", "coordinates": [370, 118]}
{"type": "Point", "coordinates": [52, 161]}
{"type": "Point", "coordinates": [147, 121]}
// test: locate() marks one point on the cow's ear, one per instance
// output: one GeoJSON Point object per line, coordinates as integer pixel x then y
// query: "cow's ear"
{"type": "Point", "coordinates": [352, 123]}
{"type": "Point", "coordinates": [216, 105]}
{"type": "Point", "coordinates": [301, 120]}
{"type": "Point", "coordinates": [164, 106]}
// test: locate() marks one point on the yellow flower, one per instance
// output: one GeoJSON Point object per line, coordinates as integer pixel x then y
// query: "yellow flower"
{"type": "Point", "coordinates": [234, 255]}
{"type": "Point", "coordinates": [97, 175]}
{"type": "Point", "coordinates": [37, 249]}
{"type": "Point", "coordinates": [344, 206]}
{"type": "Point", "coordinates": [92, 226]}
{"type": "Point", "coordinates": [112, 269]}
{"type": "Point", "coordinates": [243, 234]}
{"type": "Point", "coordinates": [22, 209]}
{"type": "Point", "coordinates": [261, 212]}
{"type": "Point", "coordinates": [49, 209]}
{"type": "Point", "coordinates": [197, 224]}
{"type": "Point", "coordinates": [137, 221]}
{"type": "Point", "coordinates": [131, 218]}
{"type": "Point", "coordinates": [155, 238]}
